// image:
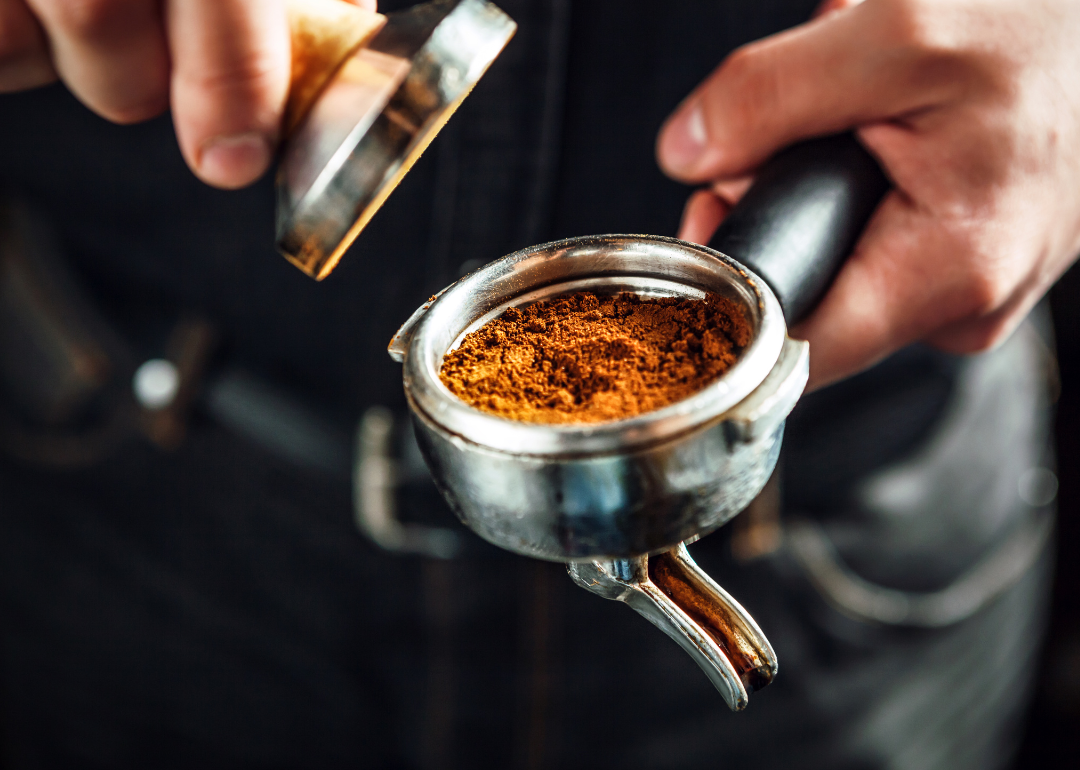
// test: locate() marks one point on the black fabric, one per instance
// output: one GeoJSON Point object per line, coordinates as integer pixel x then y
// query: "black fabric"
{"type": "Point", "coordinates": [215, 607]}
{"type": "Point", "coordinates": [838, 435]}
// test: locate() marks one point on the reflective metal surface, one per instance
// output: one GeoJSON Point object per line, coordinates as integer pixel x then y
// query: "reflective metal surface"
{"type": "Point", "coordinates": [376, 473]}
{"type": "Point", "coordinates": [374, 119]}
{"type": "Point", "coordinates": [615, 498]}
{"type": "Point", "coordinates": [672, 592]}
{"type": "Point", "coordinates": [623, 488]}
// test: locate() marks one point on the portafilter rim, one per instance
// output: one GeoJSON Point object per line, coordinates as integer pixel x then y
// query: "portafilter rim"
{"type": "Point", "coordinates": [434, 328]}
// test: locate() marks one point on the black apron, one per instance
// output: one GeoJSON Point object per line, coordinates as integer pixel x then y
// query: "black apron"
{"type": "Point", "coordinates": [215, 606]}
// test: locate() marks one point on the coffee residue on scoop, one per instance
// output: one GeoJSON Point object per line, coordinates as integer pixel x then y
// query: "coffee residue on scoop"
{"type": "Point", "coordinates": [583, 358]}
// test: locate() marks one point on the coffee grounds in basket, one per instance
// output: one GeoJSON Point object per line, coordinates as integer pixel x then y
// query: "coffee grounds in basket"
{"type": "Point", "coordinates": [583, 358]}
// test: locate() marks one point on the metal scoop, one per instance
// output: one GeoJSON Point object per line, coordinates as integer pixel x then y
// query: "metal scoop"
{"type": "Point", "coordinates": [368, 94]}
{"type": "Point", "coordinates": [619, 500]}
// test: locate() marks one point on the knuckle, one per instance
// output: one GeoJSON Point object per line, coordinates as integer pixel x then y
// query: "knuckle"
{"type": "Point", "coordinates": [926, 30]}
{"type": "Point", "coordinates": [984, 292]}
{"type": "Point", "coordinates": [90, 19]}
{"type": "Point", "coordinates": [910, 22]}
{"type": "Point", "coordinates": [129, 114]}
{"type": "Point", "coordinates": [740, 63]}
{"type": "Point", "coordinates": [933, 47]}
{"type": "Point", "coordinates": [237, 98]}
{"type": "Point", "coordinates": [748, 86]}
{"type": "Point", "coordinates": [988, 336]}
{"type": "Point", "coordinates": [981, 337]}
{"type": "Point", "coordinates": [243, 76]}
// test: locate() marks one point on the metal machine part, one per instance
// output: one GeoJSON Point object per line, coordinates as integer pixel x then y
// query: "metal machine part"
{"type": "Point", "coordinates": [375, 479]}
{"type": "Point", "coordinates": [373, 119]}
{"type": "Point", "coordinates": [618, 489]}
{"type": "Point", "coordinates": [620, 494]}
{"type": "Point", "coordinates": [676, 596]}
{"type": "Point", "coordinates": [614, 499]}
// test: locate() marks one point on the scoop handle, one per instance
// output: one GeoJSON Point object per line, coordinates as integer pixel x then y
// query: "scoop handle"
{"type": "Point", "coordinates": [801, 218]}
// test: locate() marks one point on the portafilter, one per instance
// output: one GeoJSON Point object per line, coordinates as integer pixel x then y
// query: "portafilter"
{"type": "Point", "coordinates": [620, 500]}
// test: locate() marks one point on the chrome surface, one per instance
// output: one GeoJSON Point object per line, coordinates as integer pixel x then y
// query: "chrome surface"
{"type": "Point", "coordinates": [373, 120]}
{"type": "Point", "coordinates": [624, 488]}
{"type": "Point", "coordinates": [729, 646]}
{"type": "Point", "coordinates": [612, 504]}
{"type": "Point", "coordinates": [375, 479]}
{"type": "Point", "coordinates": [648, 265]}
{"type": "Point", "coordinates": [610, 497]}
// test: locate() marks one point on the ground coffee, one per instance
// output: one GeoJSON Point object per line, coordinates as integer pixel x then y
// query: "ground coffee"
{"type": "Point", "coordinates": [585, 358]}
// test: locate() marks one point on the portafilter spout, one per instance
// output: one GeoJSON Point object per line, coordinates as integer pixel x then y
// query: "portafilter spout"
{"type": "Point", "coordinates": [368, 94]}
{"type": "Point", "coordinates": [619, 500]}
{"type": "Point", "coordinates": [676, 596]}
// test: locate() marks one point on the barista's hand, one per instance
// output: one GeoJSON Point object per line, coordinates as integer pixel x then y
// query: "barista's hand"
{"type": "Point", "coordinates": [221, 65]}
{"type": "Point", "coordinates": [973, 109]}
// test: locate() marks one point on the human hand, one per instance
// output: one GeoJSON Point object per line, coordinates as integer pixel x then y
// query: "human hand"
{"type": "Point", "coordinates": [221, 65]}
{"type": "Point", "coordinates": [973, 109]}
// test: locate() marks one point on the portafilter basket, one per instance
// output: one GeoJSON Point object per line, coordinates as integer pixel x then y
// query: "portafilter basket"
{"type": "Point", "coordinates": [619, 500]}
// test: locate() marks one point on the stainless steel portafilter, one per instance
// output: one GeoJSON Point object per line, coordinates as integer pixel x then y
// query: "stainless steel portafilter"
{"type": "Point", "coordinates": [613, 498]}
{"type": "Point", "coordinates": [619, 500]}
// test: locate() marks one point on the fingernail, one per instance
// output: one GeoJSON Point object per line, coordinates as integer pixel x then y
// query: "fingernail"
{"type": "Point", "coordinates": [234, 161]}
{"type": "Point", "coordinates": [684, 140]}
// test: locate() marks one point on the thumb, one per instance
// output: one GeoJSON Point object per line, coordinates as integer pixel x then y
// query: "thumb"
{"type": "Point", "coordinates": [830, 74]}
{"type": "Point", "coordinates": [230, 75]}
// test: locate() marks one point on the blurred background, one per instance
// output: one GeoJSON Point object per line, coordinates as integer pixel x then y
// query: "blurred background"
{"type": "Point", "coordinates": [1052, 739]}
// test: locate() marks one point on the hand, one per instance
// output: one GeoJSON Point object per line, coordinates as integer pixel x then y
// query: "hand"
{"type": "Point", "coordinates": [973, 109]}
{"type": "Point", "coordinates": [222, 65]}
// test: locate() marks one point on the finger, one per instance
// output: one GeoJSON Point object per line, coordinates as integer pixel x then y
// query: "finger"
{"type": "Point", "coordinates": [852, 327]}
{"type": "Point", "coordinates": [906, 278]}
{"type": "Point", "coordinates": [986, 331]}
{"type": "Point", "coordinates": [982, 236]}
{"type": "Point", "coordinates": [701, 216]}
{"type": "Point", "coordinates": [110, 53]}
{"type": "Point", "coordinates": [974, 335]}
{"type": "Point", "coordinates": [24, 52]}
{"type": "Point", "coordinates": [892, 291]}
{"type": "Point", "coordinates": [706, 209]}
{"type": "Point", "coordinates": [229, 81]}
{"type": "Point", "coordinates": [869, 310]}
{"type": "Point", "coordinates": [731, 191]}
{"type": "Point", "coordinates": [835, 72]}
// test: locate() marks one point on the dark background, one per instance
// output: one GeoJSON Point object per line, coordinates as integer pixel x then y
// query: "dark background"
{"type": "Point", "coordinates": [1052, 738]}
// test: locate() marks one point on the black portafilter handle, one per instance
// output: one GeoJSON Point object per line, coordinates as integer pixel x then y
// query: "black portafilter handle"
{"type": "Point", "coordinates": [801, 218]}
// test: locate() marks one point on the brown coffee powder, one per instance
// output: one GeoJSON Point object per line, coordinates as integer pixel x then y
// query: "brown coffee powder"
{"type": "Point", "coordinates": [585, 358]}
